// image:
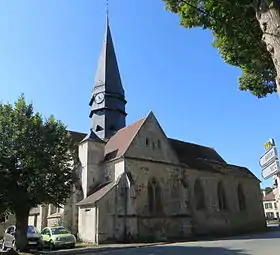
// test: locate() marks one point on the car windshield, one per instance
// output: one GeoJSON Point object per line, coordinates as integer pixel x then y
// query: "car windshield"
{"type": "Point", "coordinates": [32, 230]}
{"type": "Point", "coordinates": [58, 231]}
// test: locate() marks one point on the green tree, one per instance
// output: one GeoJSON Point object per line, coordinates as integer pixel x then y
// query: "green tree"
{"type": "Point", "coordinates": [37, 157]}
{"type": "Point", "coordinates": [247, 35]}
{"type": "Point", "coordinates": [267, 190]}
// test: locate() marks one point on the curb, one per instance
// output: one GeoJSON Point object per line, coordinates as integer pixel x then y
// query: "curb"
{"type": "Point", "coordinates": [94, 250]}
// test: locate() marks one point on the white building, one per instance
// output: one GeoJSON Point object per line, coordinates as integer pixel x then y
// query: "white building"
{"type": "Point", "coordinates": [270, 206]}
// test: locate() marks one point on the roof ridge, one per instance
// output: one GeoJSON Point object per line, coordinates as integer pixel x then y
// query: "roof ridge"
{"type": "Point", "coordinates": [182, 141]}
{"type": "Point", "coordinates": [142, 120]}
{"type": "Point", "coordinates": [270, 196]}
{"type": "Point", "coordinates": [121, 141]}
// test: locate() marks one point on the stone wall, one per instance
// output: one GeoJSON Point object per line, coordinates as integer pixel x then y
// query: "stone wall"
{"type": "Point", "coordinates": [87, 224]}
{"type": "Point", "coordinates": [174, 218]}
{"type": "Point", "coordinates": [92, 174]}
{"type": "Point", "coordinates": [150, 156]}
{"type": "Point", "coordinates": [214, 220]}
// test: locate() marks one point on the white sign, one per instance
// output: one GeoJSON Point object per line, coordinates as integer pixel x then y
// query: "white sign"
{"type": "Point", "coordinates": [268, 157]}
{"type": "Point", "coordinates": [271, 170]}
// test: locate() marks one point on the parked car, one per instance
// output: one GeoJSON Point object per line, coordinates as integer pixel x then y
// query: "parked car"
{"type": "Point", "coordinates": [33, 237]}
{"type": "Point", "coordinates": [57, 237]}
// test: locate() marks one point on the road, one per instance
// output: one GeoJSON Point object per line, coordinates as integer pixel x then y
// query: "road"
{"type": "Point", "coordinates": [261, 244]}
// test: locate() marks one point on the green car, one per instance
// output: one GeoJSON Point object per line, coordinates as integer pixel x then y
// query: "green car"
{"type": "Point", "coordinates": [57, 237]}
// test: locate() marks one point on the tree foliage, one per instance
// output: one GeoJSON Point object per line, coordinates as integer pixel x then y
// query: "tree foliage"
{"type": "Point", "coordinates": [36, 162]}
{"type": "Point", "coordinates": [238, 37]}
{"type": "Point", "coordinates": [267, 190]}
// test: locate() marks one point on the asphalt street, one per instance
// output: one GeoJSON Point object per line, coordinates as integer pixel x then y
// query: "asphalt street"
{"type": "Point", "coordinates": [261, 244]}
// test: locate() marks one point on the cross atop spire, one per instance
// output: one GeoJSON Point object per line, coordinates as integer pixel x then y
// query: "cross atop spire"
{"type": "Point", "coordinates": [107, 8]}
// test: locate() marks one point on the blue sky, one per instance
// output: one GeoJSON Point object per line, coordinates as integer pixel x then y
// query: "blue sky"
{"type": "Point", "coordinates": [49, 51]}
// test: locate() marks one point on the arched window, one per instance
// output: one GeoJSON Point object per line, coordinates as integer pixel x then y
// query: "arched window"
{"type": "Point", "coordinates": [147, 141]}
{"type": "Point", "coordinates": [222, 197]}
{"type": "Point", "coordinates": [199, 195]}
{"type": "Point", "coordinates": [154, 197]}
{"type": "Point", "coordinates": [241, 198]}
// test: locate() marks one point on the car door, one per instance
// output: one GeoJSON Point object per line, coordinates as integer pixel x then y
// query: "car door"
{"type": "Point", "coordinates": [46, 236]}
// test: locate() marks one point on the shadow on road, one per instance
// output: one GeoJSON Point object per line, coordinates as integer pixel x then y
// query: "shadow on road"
{"type": "Point", "coordinates": [272, 233]}
{"type": "Point", "coordinates": [176, 250]}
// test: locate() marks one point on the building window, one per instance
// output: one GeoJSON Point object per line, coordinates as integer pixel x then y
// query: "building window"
{"type": "Point", "coordinates": [147, 142]}
{"type": "Point", "coordinates": [265, 206]}
{"type": "Point", "coordinates": [268, 205]}
{"type": "Point", "coordinates": [269, 215]}
{"type": "Point", "coordinates": [154, 197]}
{"type": "Point", "coordinates": [53, 209]}
{"type": "Point", "coordinates": [275, 205]}
{"type": "Point", "coordinates": [35, 220]}
{"type": "Point", "coordinates": [159, 144]}
{"type": "Point", "coordinates": [154, 145]}
{"type": "Point", "coordinates": [222, 201]}
{"type": "Point", "coordinates": [241, 198]}
{"type": "Point", "coordinates": [199, 195]}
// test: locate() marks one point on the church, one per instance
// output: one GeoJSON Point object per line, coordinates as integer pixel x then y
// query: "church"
{"type": "Point", "coordinates": [137, 184]}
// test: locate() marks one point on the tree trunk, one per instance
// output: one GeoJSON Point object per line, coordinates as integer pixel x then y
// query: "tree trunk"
{"type": "Point", "coordinates": [22, 215]}
{"type": "Point", "coordinates": [269, 20]}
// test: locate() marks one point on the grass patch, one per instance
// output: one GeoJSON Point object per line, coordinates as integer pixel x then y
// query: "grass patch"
{"type": "Point", "coordinates": [80, 245]}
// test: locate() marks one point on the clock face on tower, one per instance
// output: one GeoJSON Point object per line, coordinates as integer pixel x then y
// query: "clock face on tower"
{"type": "Point", "coordinates": [99, 98]}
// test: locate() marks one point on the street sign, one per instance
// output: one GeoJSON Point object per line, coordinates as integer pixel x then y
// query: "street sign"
{"type": "Point", "coordinates": [268, 157]}
{"type": "Point", "coordinates": [271, 169]}
{"type": "Point", "coordinates": [269, 144]}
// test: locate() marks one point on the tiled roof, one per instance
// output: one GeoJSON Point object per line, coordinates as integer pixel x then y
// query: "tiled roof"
{"type": "Point", "coordinates": [269, 197]}
{"type": "Point", "coordinates": [190, 153]}
{"type": "Point", "coordinates": [92, 136]}
{"type": "Point", "coordinates": [90, 200]}
{"type": "Point", "coordinates": [119, 143]}
{"type": "Point", "coordinates": [77, 136]}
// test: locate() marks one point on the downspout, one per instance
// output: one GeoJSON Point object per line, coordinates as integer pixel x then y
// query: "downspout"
{"type": "Point", "coordinates": [125, 201]}
{"type": "Point", "coordinates": [125, 212]}
{"type": "Point", "coordinates": [115, 214]}
{"type": "Point", "coordinates": [96, 224]}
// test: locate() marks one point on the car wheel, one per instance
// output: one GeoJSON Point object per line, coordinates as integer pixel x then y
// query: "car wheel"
{"type": "Point", "coordinates": [40, 246]}
{"type": "Point", "coordinates": [14, 245]}
{"type": "Point", "coordinates": [51, 245]}
{"type": "Point", "coordinates": [3, 247]}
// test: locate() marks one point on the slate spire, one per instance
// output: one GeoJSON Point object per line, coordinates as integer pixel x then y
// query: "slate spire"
{"type": "Point", "coordinates": [108, 98]}
{"type": "Point", "coordinates": [107, 70]}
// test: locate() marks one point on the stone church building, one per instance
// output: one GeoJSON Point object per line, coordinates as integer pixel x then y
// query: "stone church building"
{"type": "Point", "coordinates": [138, 184]}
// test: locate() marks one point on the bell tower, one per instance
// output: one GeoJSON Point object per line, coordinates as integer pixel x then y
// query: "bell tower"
{"type": "Point", "coordinates": [108, 98]}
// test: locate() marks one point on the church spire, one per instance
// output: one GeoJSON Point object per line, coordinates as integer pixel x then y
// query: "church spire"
{"type": "Point", "coordinates": [108, 70]}
{"type": "Point", "coordinates": [108, 98]}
